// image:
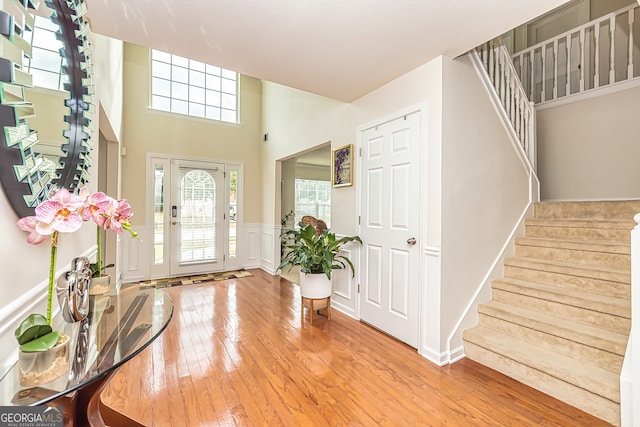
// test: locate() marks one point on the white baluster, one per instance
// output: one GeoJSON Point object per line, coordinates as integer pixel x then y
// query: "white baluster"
{"type": "Point", "coordinates": [596, 75]}
{"type": "Point", "coordinates": [491, 71]}
{"type": "Point", "coordinates": [612, 56]}
{"type": "Point", "coordinates": [582, 58]}
{"type": "Point", "coordinates": [631, 15]}
{"type": "Point", "coordinates": [543, 56]}
{"type": "Point", "coordinates": [568, 82]}
{"type": "Point", "coordinates": [555, 69]}
{"type": "Point", "coordinates": [532, 74]}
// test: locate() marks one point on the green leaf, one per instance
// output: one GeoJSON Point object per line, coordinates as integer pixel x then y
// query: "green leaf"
{"type": "Point", "coordinates": [34, 326]}
{"type": "Point", "coordinates": [42, 343]}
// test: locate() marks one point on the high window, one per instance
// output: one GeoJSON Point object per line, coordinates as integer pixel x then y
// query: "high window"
{"type": "Point", "coordinates": [184, 86]}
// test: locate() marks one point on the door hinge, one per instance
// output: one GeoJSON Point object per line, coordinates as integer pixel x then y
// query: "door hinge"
{"type": "Point", "coordinates": [358, 287]}
{"type": "Point", "coordinates": [360, 151]}
{"type": "Point", "coordinates": [224, 174]}
{"type": "Point", "coordinates": [224, 257]}
{"type": "Point", "coordinates": [359, 219]}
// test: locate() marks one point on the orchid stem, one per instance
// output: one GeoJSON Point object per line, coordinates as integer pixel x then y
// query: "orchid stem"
{"type": "Point", "coordinates": [52, 276]}
{"type": "Point", "coordinates": [99, 255]}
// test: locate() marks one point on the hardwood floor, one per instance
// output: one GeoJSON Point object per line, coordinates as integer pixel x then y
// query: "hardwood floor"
{"type": "Point", "coordinates": [237, 353]}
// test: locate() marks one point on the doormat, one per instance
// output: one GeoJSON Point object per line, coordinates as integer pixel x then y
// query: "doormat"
{"type": "Point", "coordinates": [190, 280]}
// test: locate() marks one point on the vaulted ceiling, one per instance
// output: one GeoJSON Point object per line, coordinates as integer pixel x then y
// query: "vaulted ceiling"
{"type": "Point", "coordinates": [342, 49]}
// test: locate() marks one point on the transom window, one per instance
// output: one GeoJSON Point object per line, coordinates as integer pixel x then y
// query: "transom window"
{"type": "Point", "coordinates": [184, 86]}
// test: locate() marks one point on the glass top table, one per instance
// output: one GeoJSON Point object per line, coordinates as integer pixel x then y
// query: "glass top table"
{"type": "Point", "coordinates": [117, 328]}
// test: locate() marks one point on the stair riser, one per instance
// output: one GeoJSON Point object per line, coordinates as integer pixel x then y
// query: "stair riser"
{"type": "Point", "coordinates": [578, 314]}
{"type": "Point", "coordinates": [581, 257]}
{"type": "Point", "coordinates": [578, 233]}
{"type": "Point", "coordinates": [622, 210]}
{"type": "Point", "coordinates": [568, 281]}
{"type": "Point", "coordinates": [580, 398]}
{"type": "Point", "coordinates": [581, 352]}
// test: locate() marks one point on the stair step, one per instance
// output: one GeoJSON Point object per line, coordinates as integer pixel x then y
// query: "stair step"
{"type": "Point", "coordinates": [506, 359]}
{"type": "Point", "coordinates": [602, 273]}
{"type": "Point", "coordinates": [621, 209]}
{"type": "Point", "coordinates": [594, 310]}
{"type": "Point", "coordinates": [598, 341]}
{"type": "Point", "coordinates": [605, 253]}
{"type": "Point", "coordinates": [585, 278]}
{"type": "Point", "coordinates": [580, 229]}
{"type": "Point", "coordinates": [587, 376]}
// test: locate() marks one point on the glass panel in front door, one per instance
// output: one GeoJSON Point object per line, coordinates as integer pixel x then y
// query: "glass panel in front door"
{"type": "Point", "coordinates": [197, 218]}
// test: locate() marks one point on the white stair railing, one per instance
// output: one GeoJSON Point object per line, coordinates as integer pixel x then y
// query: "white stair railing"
{"type": "Point", "coordinates": [602, 52]}
{"type": "Point", "coordinates": [507, 88]}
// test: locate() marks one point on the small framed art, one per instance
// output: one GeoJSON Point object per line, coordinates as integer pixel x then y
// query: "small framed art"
{"type": "Point", "coordinates": [342, 166]}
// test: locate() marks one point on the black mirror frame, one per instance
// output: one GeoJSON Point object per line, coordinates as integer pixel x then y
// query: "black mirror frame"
{"type": "Point", "coordinates": [24, 195]}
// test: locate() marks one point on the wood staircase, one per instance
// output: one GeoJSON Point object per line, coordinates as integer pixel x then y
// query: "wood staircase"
{"type": "Point", "coordinates": [559, 320]}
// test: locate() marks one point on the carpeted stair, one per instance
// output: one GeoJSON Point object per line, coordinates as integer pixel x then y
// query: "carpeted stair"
{"type": "Point", "coordinates": [559, 320]}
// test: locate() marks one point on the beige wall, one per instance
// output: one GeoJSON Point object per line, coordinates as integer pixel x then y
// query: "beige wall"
{"type": "Point", "coordinates": [589, 149]}
{"type": "Point", "coordinates": [297, 121]}
{"type": "Point", "coordinates": [485, 188]}
{"type": "Point", "coordinates": [314, 172]}
{"type": "Point", "coordinates": [148, 131]}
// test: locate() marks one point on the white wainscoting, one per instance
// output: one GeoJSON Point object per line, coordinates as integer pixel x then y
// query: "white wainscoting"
{"type": "Point", "coordinates": [33, 301]}
{"type": "Point", "coordinates": [430, 347]}
{"type": "Point", "coordinates": [252, 244]}
{"type": "Point", "coordinates": [270, 248]}
{"type": "Point", "coordinates": [344, 297]}
{"type": "Point", "coordinates": [134, 266]}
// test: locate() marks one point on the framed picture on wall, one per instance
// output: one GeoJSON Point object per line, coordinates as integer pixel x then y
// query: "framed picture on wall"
{"type": "Point", "coordinates": [342, 166]}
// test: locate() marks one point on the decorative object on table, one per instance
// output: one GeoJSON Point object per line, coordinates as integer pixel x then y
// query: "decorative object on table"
{"type": "Point", "coordinates": [63, 212]}
{"type": "Point", "coordinates": [317, 252]}
{"type": "Point", "coordinates": [342, 166]}
{"type": "Point", "coordinates": [73, 290]}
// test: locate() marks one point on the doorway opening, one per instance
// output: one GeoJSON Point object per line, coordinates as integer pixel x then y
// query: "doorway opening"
{"type": "Point", "coordinates": [306, 190]}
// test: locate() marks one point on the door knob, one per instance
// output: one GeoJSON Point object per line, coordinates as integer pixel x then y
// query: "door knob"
{"type": "Point", "coordinates": [175, 222]}
{"type": "Point", "coordinates": [411, 241]}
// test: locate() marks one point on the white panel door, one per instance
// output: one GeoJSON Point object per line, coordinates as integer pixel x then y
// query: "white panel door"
{"type": "Point", "coordinates": [390, 227]}
{"type": "Point", "coordinates": [197, 217]}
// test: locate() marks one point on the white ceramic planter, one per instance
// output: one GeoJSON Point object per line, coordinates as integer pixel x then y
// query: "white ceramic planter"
{"type": "Point", "coordinates": [99, 285]}
{"type": "Point", "coordinates": [314, 286]}
{"type": "Point", "coordinates": [49, 367]}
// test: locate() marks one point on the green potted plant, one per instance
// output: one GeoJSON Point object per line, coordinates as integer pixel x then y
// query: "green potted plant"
{"type": "Point", "coordinates": [317, 252]}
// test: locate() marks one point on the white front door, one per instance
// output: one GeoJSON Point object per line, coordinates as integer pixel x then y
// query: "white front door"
{"type": "Point", "coordinates": [197, 217]}
{"type": "Point", "coordinates": [390, 205]}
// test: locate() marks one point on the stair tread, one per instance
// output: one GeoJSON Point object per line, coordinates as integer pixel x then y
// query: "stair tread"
{"type": "Point", "coordinates": [565, 328]}
{"type": "Point", "coordinates": [566, 295]}
{"type": "Point", "coordinates": [585, 375]}
{"type": "Point", "coordinates": [609, 246]}
{"type": "Point", "coordinates": [565, 264]}
{"type": "Point", "coordinates": [612, 224]}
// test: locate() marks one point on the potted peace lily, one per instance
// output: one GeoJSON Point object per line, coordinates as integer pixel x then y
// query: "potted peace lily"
{"type": "Point", "coordinates": [317, 251]}
{"type": "Point", "coordinates": [43, 352]}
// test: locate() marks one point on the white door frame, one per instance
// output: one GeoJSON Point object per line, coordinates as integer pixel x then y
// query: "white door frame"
{"type": "Point", "coordinates": [422, 211]}
{"type": "Point", "coordinates": [154, 272]}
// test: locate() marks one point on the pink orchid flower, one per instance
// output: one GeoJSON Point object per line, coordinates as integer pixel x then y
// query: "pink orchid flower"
{"type": "Point", "coordinates": [59, 213]}
{"type": "Point", "coordinates": [117, 215]}
{"type": "Point", "coordinates": [94, 207]}
{"type": "Point", "coordinates": [28, 224]}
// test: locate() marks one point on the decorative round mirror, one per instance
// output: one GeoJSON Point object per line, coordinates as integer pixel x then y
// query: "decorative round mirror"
{"type": "Point", "coordinates": [32, 166]}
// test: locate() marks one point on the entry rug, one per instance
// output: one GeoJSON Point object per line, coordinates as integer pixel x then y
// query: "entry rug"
{"type": "Point", "coordinates": [190, 280]}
